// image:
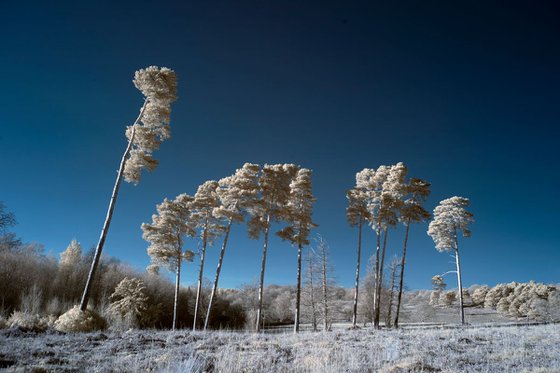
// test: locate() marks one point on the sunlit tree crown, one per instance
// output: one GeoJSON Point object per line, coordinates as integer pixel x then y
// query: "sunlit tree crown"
{"type": "Point", "coordinates": [72, 255]}
{"type": "Point", "coordinates": [450, 219]}
{"type": "Point", "coordinates": [159, 87]}
{"type": "Point", "coordinates": [168, 228]}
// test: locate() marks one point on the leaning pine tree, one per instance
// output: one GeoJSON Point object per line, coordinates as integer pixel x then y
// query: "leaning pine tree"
{"type": "Point", "coordinates": [356, 214]}
{"type": "Point", "coordinates": [298, 214]}
{"type": "Point", "coordinates": [166, 233]}
{"type": "Point", "coordinates": [450, 220]}
{"type": "Point", "coordinates": [237, 193]}
{"type": "Point", "coordinates": [149, 130]}
{"type": "Point", "coordinates": [274, 188]}
{"type": "Point", "coordinates": [417, 191]}
{"type": "Point", "coordinates": [206, 200]}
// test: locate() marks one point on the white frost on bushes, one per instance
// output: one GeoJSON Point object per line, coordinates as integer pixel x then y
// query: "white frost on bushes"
{"type": "Point", "coordinates": [77, 321]}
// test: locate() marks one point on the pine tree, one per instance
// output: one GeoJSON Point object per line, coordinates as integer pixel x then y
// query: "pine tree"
{"type": "Point", "coordinates": [356, 214]}
{"type": "Point", "coordinates": [383, 189]}
{"type": "Point", "coordinates": [129, 301]}
{"type": "Point", "coordinates": [450, 220]}
{"type": "Point", "coordinates": [298, 215]}
{"type": "Point", "coordinates": [270, 206]}
{"type": "Point", "coordinates": [237, 193]}
{"type": "Point", "coordinates": [166, 233]}
{"type": "Point", "coordinates": [149, 130]}
{"type": "Point", "coordinates": [206, 200]}
{"type": "Point", "coordinates": [411, 211]}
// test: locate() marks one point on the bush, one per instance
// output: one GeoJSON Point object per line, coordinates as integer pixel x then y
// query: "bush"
{"type": "Point", "coordinates": [27, 321]}
{"type": "Point", "coordinates": [447, 298]}
{"type": "Point", "coordinates": [3, 323]}
{"type": "Point", "coordinates": [479, 295]}
{"type": "Point", "coordinates": [76, 321]}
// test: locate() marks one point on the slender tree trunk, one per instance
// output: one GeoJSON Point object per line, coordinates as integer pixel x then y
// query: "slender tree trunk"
{"type": "Point", "coordinates": [355, 309]}
{"type": "Point", "coordinates": [401, 282]}
{"type": "Point", "coordinates": [325, 289]}
{"type": "Point", "coordinates": [107, 223]}
{"type": "Point", "coordinates": [176, 300]}
{"type": "Point", "coordinates": [298, 291]}
{"type": "Point", "coordinates": [218, 270]}
{"type": "Point", "coordinates": [263, 265]}
{"type": "Point", "coordinates": [391, 294]}
{"type": "Point", "coordinates": [201, 272]}
{"type": "Point", "coordinates": [376, 273]}
{"type": "Point", "coordinates": [379, 283]}
{"type": "Point", "coordinates": [312, 294]}
{"type": "Point", "coordinates": [461, 308]}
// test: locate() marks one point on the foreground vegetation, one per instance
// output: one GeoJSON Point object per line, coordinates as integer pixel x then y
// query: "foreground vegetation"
{"type": "Point", "coordinates": [496, 349]}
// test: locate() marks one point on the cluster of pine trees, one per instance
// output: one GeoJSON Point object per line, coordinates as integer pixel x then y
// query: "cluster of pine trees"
{"type": "Point", "coordinates": [262, 196]}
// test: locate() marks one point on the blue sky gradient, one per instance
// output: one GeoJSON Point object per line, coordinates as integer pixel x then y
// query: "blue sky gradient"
{"type": "Point", "coordinates": [466, 94]}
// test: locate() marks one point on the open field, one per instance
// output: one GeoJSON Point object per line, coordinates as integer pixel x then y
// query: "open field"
{"type": "Point", "coordinates": [534, 348]}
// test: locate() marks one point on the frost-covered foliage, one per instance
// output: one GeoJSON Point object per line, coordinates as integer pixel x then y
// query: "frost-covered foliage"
{"type": "Point", "coordinates": [479, 295]}
{"type": "Point", "coordinates": [450, 219]}
{"type": "Point", "coordinates": [447, 298]}
{"type": "Point", "coordinates": [269, 206]}
{"type": "Point", "coordinates": [236, 193]}
{"type": "Point", "coordinates": [167, 231]}
{"type": "Point", "coordinates": [128, 301]}
{"type": "Point", "coordinates": [72, 255]}
{"type": "Point", "coordinates": [29, 321]}
{"type": "Point", "coordinates": [532, 300]}
{"type": "Point", "coordinates": [159, 87]}
{"type": "Point", "coordinates": [434, 297]}
{"type": "Point", "coordinates": [299, 209]}
{"type": "Point", "coordinates": [77, 321]}
{"type": "Point", "coordinates": [438, 283]}
{"type": "Point", "coordinates": [209, 226]}
{"type": "Point", "coordinates": [382, 190]}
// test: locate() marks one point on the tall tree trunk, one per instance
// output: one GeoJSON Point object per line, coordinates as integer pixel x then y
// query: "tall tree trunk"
{"type": "Point", "coordinates": [376, 273]}
{"type": "Point", "coordinates": [218, 270]}
{"type": "Point", "coordinates": [107, 223]}
{"type": "Point", "coordinates": [201, 272]}
{"type": "Point", "coordinates": [401, 282]}
{"type": "Point", "coordinates": [312, 294]}
{"type": "Point", "coordinates": [176, 300]}
{"type": "Point", "coordinates": [325, 289]}
{"type": "Point", "coordinates": [461, 308]}
{"type": "Point", "coordinates": [379, 283]}
{"type": "Point", "coordinates": [355, 309]}
{"type": "Point", "coordinates": [263, 265]}
{"type": "Point", "coordinates": [391, 295]}
{"type": "Point", "coordinates": [298, 291]}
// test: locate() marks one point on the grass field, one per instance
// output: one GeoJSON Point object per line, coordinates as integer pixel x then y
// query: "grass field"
{"type": "Point", "coordinates": [534, 348]}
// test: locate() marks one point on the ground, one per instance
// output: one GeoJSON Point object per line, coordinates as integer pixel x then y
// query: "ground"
{"type": "Point", "coordinates": [499, 348]}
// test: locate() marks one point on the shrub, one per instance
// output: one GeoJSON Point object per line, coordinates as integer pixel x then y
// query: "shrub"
{"type": "Point", "coordinates": [129, 302]}
{"type": "Point", "coordinates": [447, 298]}
{"type": "Point", "coordinates": [76, 321]}
{"type": "Point", "coordinates": [26, 321]}
{"type": "Point", "coordinates": [479, 295]}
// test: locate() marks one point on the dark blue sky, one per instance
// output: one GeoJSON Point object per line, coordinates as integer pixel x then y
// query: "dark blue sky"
{"type": "Point", "coordinates": [465, 93]}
